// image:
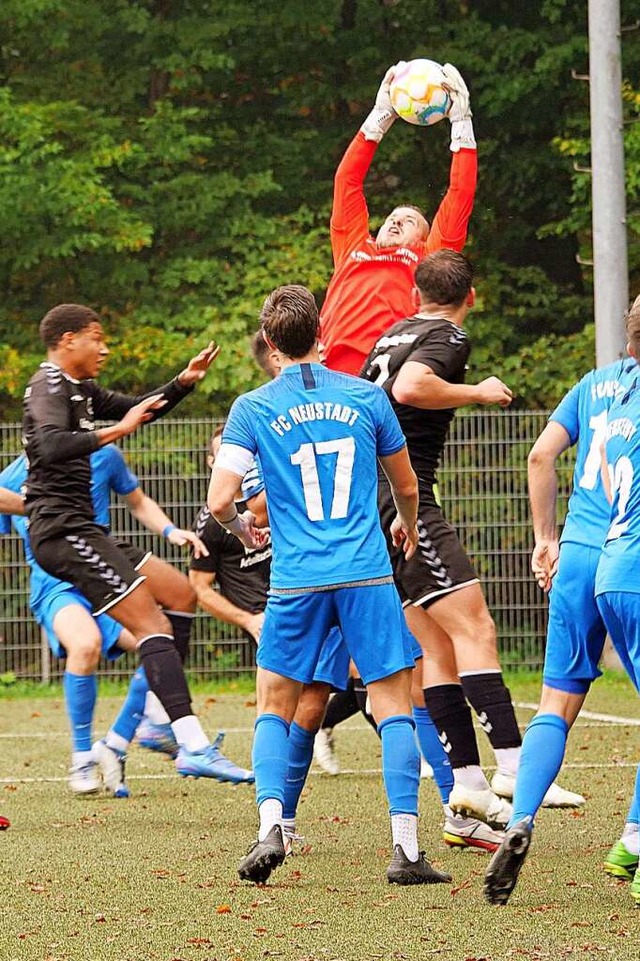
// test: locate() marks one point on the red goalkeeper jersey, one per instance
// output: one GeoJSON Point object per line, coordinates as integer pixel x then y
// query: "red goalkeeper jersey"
{"type": "Point", "coordinates": [371, 288]}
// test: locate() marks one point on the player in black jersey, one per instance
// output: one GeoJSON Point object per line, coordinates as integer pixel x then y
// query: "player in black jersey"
{"type": "Point", "coordinates": [241, 574]}
{"type": "Point", "coordinates": [61, 404]}
{"type": "Point", "coordinates": [421, 362]}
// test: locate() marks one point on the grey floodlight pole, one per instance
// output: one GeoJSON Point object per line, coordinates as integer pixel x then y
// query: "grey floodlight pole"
{"type": "Point", "coordinates": [610, 265]}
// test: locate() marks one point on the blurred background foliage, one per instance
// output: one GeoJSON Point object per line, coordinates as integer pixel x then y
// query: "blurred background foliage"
{"type": "Point", "coordinates": [170, 162]}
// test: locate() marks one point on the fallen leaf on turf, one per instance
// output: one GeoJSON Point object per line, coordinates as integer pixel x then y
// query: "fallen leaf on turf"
{"type": "Point", "coordinates": [250, 703]}
{"type": "Point", "coordinates": [36, 714]}
{"type": "Point", "coordinates": [223, 909]}
{"type": "Point", "coordinates": [198, 941]}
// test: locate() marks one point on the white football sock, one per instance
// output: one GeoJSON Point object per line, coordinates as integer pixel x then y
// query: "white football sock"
{"type": "Point", "coordinates": [116, 741]}
{"type": "Point", "coordinates": [471, 776]}
{"type": "Point", "coordinates": [404, 831]}
{"type": "Point", "coordinates": [154, 711]}
{"type": "Point", "coordinates": [81, 757]}
{"type": "Point", "coordinates": [189, 733]}
{"type": "Point", "coordinates": [270, 812]}
{"type": "Point", "coordinates": [631, 838]}
{"type": "Point", "coordinates": [507, 759]}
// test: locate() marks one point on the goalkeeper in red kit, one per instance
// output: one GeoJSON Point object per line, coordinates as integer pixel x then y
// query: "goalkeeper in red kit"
{"type": "Point", "coordinates": [373, 281]}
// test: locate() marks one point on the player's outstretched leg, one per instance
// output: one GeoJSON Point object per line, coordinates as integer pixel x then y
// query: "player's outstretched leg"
{"type": "Point", "coordinates": [270, 762]}
{"type": "Point", "coordinates": [211, 762]}
{"type": "Point", "coordinates": [505, 865]}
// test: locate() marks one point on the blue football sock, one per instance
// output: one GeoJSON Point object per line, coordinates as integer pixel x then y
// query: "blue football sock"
{"type": "Point", "coordinates": [433, 752]}
{"type": "Point", "coordinates": [400, 763]}
{"type": "Point", "coordinates": [132, 710]}
{"type": "Point", "coordinates": [270, 757]}
{"type": "Point", "coordinates": [300, 757]}
{"type": "Point", "coordinates": [543, 748]}
{"type": "Point", "coordinates": [80, 694]}
{"type": "Point", "coordinates": [634, 811]}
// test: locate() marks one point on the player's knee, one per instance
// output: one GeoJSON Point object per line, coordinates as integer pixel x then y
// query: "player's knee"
{"type": "Point", "coordinates": [312, 706]}
{"type": "Point", "coordinates": [83, 654]}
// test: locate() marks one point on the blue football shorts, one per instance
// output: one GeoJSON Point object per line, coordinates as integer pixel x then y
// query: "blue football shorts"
{"type": "Point", "coordinates": [64, 596]}
{"type": "Point", "coordinates": [333, 666]}
{"type": "Point", "coordinates": [370, 618]}
{"type": "Point", "coordinates": [575, 632]}
{"type": "Point", "coordinates": [620, 612]}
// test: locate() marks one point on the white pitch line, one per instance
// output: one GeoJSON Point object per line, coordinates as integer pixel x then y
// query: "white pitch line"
{"type": "Point", "coordinates": [581, 766]}
{"type": "Point", "coordinates": [592, 715]}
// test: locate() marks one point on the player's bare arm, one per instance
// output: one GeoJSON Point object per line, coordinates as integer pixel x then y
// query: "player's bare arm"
{"type": "Point", "coordinates": [10, 503]}
{"type": "Point", "coordinates": [223, 487]}
{"type": "Point", "coordinates": [220, 607]}
{"type": "Point", "coordinates": [543, 491]}
{"type": "Point", "coordinates": [149, 513]}
{"type": "Point", "coordinates": [418, 386]}
{"type": "Point", "coordinates": [404, 488]}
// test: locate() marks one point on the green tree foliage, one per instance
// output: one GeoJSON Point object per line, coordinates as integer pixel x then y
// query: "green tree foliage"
{"type": "Point", "coordinates": [169, 163]}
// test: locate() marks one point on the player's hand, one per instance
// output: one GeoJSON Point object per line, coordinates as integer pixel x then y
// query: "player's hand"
{"type": "Point", "coordinates": [253, 625]}
{"type": "Point", "coordinates": [140, 414]}
{"type": "Point", "coordinates": [544, 562]}
{"type": "Point", "coordinates": [404, 536]}
{"type": "Point", "coordinates": [383, 116]}
{"type": "Point", "coordinates": [460, 108]}
{"type": "Point", "coordinates": [199, 365]}
{"type": "Point", "coordinates": [181, 537]}
{"type": "Point", "coordinates": [493, 391]}
{"type": "Point", "coordinates": [251, 536]}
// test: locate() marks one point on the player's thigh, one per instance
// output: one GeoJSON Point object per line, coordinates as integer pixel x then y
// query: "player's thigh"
{"type": "Point", "coordinates": [374, 630]}
{"type": "Point", "coordinates": [169, 586]}
{"type": "Point", "coordinates": [621, 614]}
{"type": "Point", "coordinates": [294, 630]}
{"type": "Point", "coordinates": [575, 630]}
{"type": "Point", "coordinates": [71, 629]}
{"type": "Point", "coordinates": [463, 615]}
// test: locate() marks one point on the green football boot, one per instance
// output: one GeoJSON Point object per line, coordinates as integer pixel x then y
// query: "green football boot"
{"type": "Point", "coordinates": [635, 887]}
{"type": "Point", "coordinates": [620, 864]}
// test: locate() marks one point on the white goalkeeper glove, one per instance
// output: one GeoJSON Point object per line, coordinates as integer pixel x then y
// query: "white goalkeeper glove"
{"type": "Point", "coordinates": [460, 110]}
{"type": "Point", "coordinates": [383, 116]}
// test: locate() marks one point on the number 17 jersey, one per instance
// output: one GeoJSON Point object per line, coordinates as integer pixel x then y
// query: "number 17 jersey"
{"type": "Point", "coordinates": [318, 435]}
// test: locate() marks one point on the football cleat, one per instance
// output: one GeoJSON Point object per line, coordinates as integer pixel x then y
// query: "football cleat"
{"type": "Point", "coordinates": [211, 762]}
{"type": "Point", "coordinates": [324, 751]}
{"type": "Point", "coordinates": [620, 863]}
{"type": "Point", "coordinates": [556, 797]}
{"type": "Point", "coordinates": [483, 804]}
{"type": "Point", "coordinates": [84, 778]}
{"type": "Point", "coordinates": [460, 832]}
{"type": "Point", "coordinates": [4, 823]}
{"type": "Point", "coordinates": [504, 867]}
{"type": "Point", "coordinates": [263, 857]}
{"type": "Point", "coordinates": [111, 763]}
{"type": "Point", "coordinates": [635, 887]}
{"type": "Point", "coordinates": [157, 737]}
{"type": "Point", "coordinates": [403, 871]}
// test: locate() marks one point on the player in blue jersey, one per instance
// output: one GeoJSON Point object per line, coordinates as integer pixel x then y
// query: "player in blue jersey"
{"type": "Point", "coordinates": [617, 579]}
{"type": "Point", "coordinates": [65, 615]}
{"type": "Point", "coordinates": [567, 569]}
{"type": "Point", "coordinates": [318, 435]}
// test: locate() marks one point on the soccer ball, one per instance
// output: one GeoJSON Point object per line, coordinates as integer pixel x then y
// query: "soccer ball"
{"type": "Point", "coordinates": [417, 94]}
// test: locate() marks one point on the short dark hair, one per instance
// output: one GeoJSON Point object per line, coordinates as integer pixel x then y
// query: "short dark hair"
{"type": "Point", "coordinates": [632, 325]}
{"type": "Point", "coordinates": [217, 432]}
{"type": "Point", "coordinates": [444, 277]}
{"type": "Point", "coordinates": [290, 320]}
{"type": "Point", "coordinates": [260, 351]}
{"type": "Point", "coordinates": [63, 319]}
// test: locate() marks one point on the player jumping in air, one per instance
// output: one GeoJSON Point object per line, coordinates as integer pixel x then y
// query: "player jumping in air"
{"type": "Point", "coordinates": [318, 435]}
{"type": "Point", "coordinates": [373, 281]}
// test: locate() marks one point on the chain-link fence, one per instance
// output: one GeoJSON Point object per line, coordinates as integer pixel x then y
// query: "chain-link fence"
{"type": "Point", "coordinates": [484, 493]}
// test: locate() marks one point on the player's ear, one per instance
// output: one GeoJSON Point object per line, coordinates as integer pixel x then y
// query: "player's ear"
{"type": "Point", "coordinates": [631, 351]}
{"type": "Point", "coordinates": [471, 297]}
{"type": "Point", "coordinates": [415, 296]}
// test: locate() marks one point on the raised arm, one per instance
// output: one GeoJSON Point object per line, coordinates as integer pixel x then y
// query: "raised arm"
{"type": "Point", "coordinates": [418, 386]}
{"type": "Point", "coordinates": [149, 513]}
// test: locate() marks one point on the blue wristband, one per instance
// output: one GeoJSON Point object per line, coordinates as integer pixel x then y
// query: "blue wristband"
{"type": "Point", "coordinates": [168, 529]}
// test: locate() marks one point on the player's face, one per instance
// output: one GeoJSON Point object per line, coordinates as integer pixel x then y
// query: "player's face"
{"type": "Point", "coordinates": [89, 351]}
{"type": "Point", "coordinates": [403, 227]}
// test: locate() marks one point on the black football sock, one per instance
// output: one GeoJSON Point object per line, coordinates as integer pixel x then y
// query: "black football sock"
{"type": "Point", "coordinates": [340, 707]}
{"type": "Point", "coordinates": [181, 622]}
{"type": "Point", "coordinates": [360, 691]}
{"type": "Point", "coordinates": [491, 700]}
{"type": "Point", "coordinates": [165, 675]}
{"type": "Point", "coordinates": [451, 715]}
